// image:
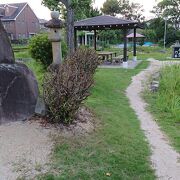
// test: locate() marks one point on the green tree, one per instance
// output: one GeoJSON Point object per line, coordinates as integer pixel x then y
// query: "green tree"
{"type": "Point", "coordinates": [95, 12]}
{"type": "Point", "coordinates": [157, 25]}
{"type": "Point", "coordinates": [169, 9]}
{"type": "Point", "coordinates": [111, 7]}
{"type": "Point", "coordinates": [155, 31]}
{"type": "Point", "coordinates": [130, 11]}
{"type": "Point", "coordinates": [150, 35]}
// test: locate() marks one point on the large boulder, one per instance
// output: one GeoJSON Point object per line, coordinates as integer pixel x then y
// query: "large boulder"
{"type": "Point", "coordinates": [6, 52]}
{"type": "Point", "coordinates": [18, 92]}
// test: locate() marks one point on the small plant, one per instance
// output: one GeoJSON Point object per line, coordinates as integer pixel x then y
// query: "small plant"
{"type": "Point", "coordinates": [67, 87]}
{"type": "Point", "coordinates": [41, 49]}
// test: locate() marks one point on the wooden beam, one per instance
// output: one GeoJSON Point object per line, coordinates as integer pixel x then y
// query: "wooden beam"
{"type": "Point", "coordinates": [75, 39]}
{"type": "Point", "coordinates": [125, 45]}
{"type": "Point", "coordinates": [95, 43]}
{"type": "Point", "coordinates": [134, 43]}
{"type": "Point", "coordinates": [105, 27]}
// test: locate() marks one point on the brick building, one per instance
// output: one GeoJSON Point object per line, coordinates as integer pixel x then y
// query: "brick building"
{"type": "Point", "coordinates": [19, 20]}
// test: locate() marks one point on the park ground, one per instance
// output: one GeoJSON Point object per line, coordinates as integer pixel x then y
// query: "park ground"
{"type": "Point", "coordinates": [117, 149]}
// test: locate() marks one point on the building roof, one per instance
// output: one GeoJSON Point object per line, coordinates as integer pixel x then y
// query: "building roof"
{"type": "Point", "coordinates": [105, 22]}
{"type": "Point", "coordinates": [19, 7]}
{"type": "Point", "coordinates": [137, 35]}
{"type": "Point", "coordinates": [42, 21]}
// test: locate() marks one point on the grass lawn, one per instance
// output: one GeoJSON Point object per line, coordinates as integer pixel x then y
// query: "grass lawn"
{"type": "Point", "coordinates": [22, 54]}
{"type": "Point", "coordinates": [38, 71]}
{"type": "Point", "coordinates": [144, 53]}
{"type": "Point", "coordinates": [36, 67]}
{"type": "Point", "coordinates": [165, 104]}
{"type": "Point", "coordinates": [117, 150]}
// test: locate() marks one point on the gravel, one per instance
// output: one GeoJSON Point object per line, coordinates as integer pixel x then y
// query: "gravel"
{"type": "Point", "coordinates": [24, 150]}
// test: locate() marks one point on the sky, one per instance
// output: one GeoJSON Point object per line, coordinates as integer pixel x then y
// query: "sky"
{"type": "Point", "coordinates": [44, 13]}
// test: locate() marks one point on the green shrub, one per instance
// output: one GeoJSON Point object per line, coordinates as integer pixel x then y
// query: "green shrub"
{"type": "Point", "coordinates": [67, 87]}
{"type": "Point", "coordinates": [41, 49]}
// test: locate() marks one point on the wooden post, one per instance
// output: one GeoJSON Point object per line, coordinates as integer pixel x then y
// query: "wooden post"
{"type": "Point", "coordinates": [125, 45]}
{"type": "Point", "coordinates": [134, 46]}
{"type": "Point", "coordinates": [95, 35]}
{"type": "Point", "coordinates": [75, 39]}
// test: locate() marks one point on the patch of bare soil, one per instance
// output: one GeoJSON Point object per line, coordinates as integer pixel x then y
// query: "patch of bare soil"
{"type": "Point", "coordinates": [84, 124]}
{"type": "Point", "coordinates": [26, 147]}
{"type": "Point", "coordinates": [165, 160]}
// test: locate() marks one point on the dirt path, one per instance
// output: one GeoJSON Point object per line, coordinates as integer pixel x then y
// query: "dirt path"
{"type": "Point", "coordinates": [165, 160]}
{"type": "Point", "coordinates": [24, 150]}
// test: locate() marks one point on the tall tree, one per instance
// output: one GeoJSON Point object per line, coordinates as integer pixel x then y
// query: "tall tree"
{"type": "Point", "coordinates": [130, 11]}
{"type": "Point", "coordinates": [169, 9]}
{"type": "Point", "coordinates": [111, 7]}
{"type": "Point", "coordinates": [72, 10]}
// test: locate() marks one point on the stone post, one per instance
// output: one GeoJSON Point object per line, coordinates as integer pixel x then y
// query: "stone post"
{"type": "Point", "coordinates": [55, 25]}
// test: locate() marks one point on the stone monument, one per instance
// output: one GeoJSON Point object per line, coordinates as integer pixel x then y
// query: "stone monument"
{"type": "Point", "coordinates": [55, 25]}
{"type": "Point", "coordinates": [176, 50]}
{"type": "Point", "coordinates": [18, 86]}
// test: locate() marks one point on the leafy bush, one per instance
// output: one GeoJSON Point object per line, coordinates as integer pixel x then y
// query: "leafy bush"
{"type": "Point", "coordinates": [67, 87]}
{"type": "Point", "coordinates": [41, 49]}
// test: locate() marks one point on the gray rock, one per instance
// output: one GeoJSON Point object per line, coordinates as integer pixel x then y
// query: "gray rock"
{"type": "Point", "coordinates": [154, 86]}
{"type": "Point", "coordinates": [18, 92]}
{"type": "Point", "coordinates": [6, 52]}
{"type": "Point", "coordinates": [40, 107]}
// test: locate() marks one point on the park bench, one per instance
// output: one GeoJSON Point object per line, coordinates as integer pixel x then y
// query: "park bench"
{"type": "Point", "coordinates": [118, 59]}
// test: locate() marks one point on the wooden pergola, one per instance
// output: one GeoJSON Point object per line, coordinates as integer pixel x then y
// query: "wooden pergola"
{"type": "Point", "coordinates": [106, 22]}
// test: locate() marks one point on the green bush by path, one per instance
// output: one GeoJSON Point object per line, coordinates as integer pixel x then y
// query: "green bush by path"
{"type": "Point", "coordinates": [165, 104]}
{"type": "Point", "coordinates": [41, 49]}
{"type": "Point", "coordinates": [117, 147]}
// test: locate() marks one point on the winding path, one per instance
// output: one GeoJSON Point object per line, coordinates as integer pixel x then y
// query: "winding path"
{"type": "Point", "coordinates": [165, 160]}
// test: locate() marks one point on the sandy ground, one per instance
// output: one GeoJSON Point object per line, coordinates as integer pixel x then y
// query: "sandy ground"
{"type": "Point", "coordinates": [24, 150]}
{"type": "Point", "coordinates": [25, 147]}
{"type": "Point", "coordinates": [165, 160]}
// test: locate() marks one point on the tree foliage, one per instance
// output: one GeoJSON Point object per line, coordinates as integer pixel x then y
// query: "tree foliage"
{"type": "Point", "coordinates": [82, 8]}
{"type": "Point", "coordinates": [111, 7]}
{"type": "Point", "coordinates": [169, 9]}
{"type": "Point", "coordinates": [40, 49]}
{"type": "Point", "coordinates": [111, 36]}
{"type": "Point", "coordinates": [155, 31]}
{"type": "Point", "coordinates": [130, 11]}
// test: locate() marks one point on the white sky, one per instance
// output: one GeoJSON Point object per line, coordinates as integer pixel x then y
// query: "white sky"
{"type": "Point", "coordinates": [43, 12]}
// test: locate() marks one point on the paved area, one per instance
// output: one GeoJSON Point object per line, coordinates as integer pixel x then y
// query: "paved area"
{"type": "Point", "coordinates": [131, 65]}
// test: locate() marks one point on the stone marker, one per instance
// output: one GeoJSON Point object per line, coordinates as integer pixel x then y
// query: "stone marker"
{"type": "Point", "coordinates": [18, 86]}
{"type": "Point", "coordinates": [55, 25]}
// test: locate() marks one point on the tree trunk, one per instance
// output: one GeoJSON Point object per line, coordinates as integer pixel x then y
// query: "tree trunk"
{"type": "Point", "coordinates": [70, 29]}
